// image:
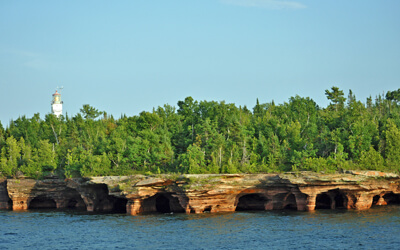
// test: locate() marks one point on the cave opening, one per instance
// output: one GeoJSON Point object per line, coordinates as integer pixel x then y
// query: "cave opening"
{"type": "Point", "coordinates": [72, 203]}
{"type": "Point", "coordinates": [162, 204]}
{"type": "Point", "coordinates": [291, 202]}
{"type": "Point", "coordinates": [10, 204]}
{"type": "Point", "coordinates": [207, 209]}
{"type": "Point", "coordinates": [339, 201]}
{"type": "Point", "coordinates": [73, 200]}
{"type": "Point", "coordinates": [42, 203]}
{"type": "Point", "coordinates": [392, 198]}
{"type": "Point", "coordinates": [251, 202]}
{"type": "Point", "coordinates": [375, 199]}
{"type": "Point", "coordinates": [119, 205]}
{"type": "Point", "coordinates": [323, 201]}
{"type": "Point", "coordinates": [76, 203]}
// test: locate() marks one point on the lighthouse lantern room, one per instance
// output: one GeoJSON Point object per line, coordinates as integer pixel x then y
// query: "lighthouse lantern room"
{"type": "Point", "coordinates": [56, 104]}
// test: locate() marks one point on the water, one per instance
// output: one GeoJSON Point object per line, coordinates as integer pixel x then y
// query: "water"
{"type": "Point", "coordinates": [377, 228]}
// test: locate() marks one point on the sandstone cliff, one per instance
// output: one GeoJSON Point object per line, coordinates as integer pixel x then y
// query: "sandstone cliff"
{"type": "Point", "coordinates": [140, 194]}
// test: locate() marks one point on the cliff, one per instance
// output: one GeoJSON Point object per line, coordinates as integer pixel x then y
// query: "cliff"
{"type": "Point", "coordinates": [139, 194]}
{"type": "Point", "coordinates": [5, 201]}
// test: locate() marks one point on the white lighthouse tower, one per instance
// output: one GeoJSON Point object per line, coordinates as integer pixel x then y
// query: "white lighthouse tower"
{"type": "Point", "coordinates": [56, 104]}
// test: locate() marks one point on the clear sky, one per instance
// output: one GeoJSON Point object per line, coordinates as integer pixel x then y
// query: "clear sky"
{"type": "Point", "coordinates": [128, 56]}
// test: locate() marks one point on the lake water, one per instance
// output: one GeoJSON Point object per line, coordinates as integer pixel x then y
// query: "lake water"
{"type": "Point", "coordinates": [377, 228]}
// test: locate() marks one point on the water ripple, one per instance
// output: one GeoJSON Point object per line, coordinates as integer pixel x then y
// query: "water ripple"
{"type": "Point", "coordinates": [371, 229]}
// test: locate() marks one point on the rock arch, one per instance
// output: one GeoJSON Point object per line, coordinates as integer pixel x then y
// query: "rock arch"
{"type": "Point", "coordinates": [378, 200]}
{"type": "Point", "coordinates": [75, 203]}
{"type": "Point", "coordinates": [323, 201]}
{"type": "Point", "coordinates": [162, 203]}
{"type": "Point", "coordinates": [284, 201]}
{"type": "Point", "coordinates": [251, 202]}
{"type": "Point", "coordinates": [392, 198]}
{"type": "Point", "coordinates": [333, 199]}
{"type": "Point", "coordinates": [119, 205]}
{"type": "Point", "coordinates": [340, 200]}
{"type": "Point", "coordinates": [207, 209]}
{"type": "Point", "coordinates": [351, 200]}
{"type": "Point", "coordinates": [290, 202]}
{"type": "Point", "coordinates": [41, 202]}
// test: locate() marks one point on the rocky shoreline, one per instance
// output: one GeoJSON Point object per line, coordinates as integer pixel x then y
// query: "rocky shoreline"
{"type": "Point", "coordinates": [140, 194]}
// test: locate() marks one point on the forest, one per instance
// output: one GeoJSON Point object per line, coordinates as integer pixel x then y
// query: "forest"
{"type": "Point", "coordinates": [200, 137]}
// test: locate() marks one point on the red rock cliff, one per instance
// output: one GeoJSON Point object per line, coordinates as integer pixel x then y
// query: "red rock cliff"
{"type": "Point", "coordinates": [205, 193]}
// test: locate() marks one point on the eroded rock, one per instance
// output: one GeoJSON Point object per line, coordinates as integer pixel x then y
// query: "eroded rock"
{"type": "Point", "coordinates": [140, 194]}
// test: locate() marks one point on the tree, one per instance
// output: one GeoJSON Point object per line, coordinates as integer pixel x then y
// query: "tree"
{"type": "Point", "coordinates": [148, 120]}
{"type": "Point", "coordinates": [393, 95]}
{"type": "Point", "coordinates": [2, 135]}
{"type": "Point", "coordinates": [336, 96]}
{"type": "Point", "coordinates": [189, 110]}
{"type": "Point", "coordinates": [258, 109]}
{"type": "Point", "coordinates": [10, 157]}
{"type": "Point", "coordinates": [209, 137]}
{"type": "Point", "coordinates": [46, 156]}
{"type": "Point", "coordinates": [371, 160]}
{"type": "Point", "coordinates": [73, 165]}
{"type": "Point", "coordinates": [30, 163]}
{"type": "Point", "coordinates": [53, 128]}
{"type": "Point", "coordinates": [193, 161]}
{"type": "Point", "coordinates": [95, 165]}
{"type": "Point", "coordinates": [360, 139]}
{"type": "Point", "coordinates": [392, 151]}
{"type": "Point", "coordinates": [90, 112]}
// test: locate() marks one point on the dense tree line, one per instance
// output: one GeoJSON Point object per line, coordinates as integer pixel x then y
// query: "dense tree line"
{"type": "Point", "coordinates": [209, 137]}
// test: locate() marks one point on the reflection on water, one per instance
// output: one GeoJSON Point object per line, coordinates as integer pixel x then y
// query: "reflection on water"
{"type": "Point", "coordinates": [371, 229]}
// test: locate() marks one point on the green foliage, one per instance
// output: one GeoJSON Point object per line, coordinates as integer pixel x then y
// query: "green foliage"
{"type": "Point", "coordinates": [46, 156]}
{"type": "Point", "coordinates": [371, 160]}
{"type": "Point", "coordinates": [336, 96]}
{"type": "Point", "coordinates": [10, 155]}
{"type": "Point", "coordinates": [312, 164]}
{"type": "Point", "coordinates": [392, 151]}
{"type": "Point", "coordinates": [90, 112]}
{"type": "Point", "coordinates": [193, 161]}
{"type": "Point", "coordinates": [95, 165]}
{"type": "Point", "coordinates": [393, 95]}
{"type": "Point", "coordinates": [73, 164]}
{"type": "Point", "coordinates": [209, 137]}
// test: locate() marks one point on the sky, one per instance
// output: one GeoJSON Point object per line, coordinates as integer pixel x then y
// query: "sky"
{"type": "Point", "coordinates": [129, 56]}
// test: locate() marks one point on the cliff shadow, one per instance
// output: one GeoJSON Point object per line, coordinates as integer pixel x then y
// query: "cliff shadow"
{"type": "Point", "coordinates": [97, 198]}
{"type": "Point", "coordinates": [5, 200]}
{"type": "Point", "coordinates": [323, 201]}
{"type": "Point", "coordinates": [290, 202]}
{"type": "Point", "coordinates": [252, 202]}
{"type": "Point", "coordinates": [42, 202]}
{"type": "Point", "coordinates": [392, 198]}
{"type": "Point", "coordinates": [285, 200]}
{"type": "Point", "coordinates": [376, 200]}
{"type": "Point", "coordinates": [76, 203]}
{"type": "Point", "coordinates": [163, 202]}
{"type": "Point", "coordinates": [119, 205]}
{"type": "Point", "coordinates": [57, 194]}
{"type": "Point", "coordinates": [333, 199]}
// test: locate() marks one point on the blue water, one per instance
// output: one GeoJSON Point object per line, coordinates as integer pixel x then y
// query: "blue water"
{"type": "Point", "coordinates": [377, 228]}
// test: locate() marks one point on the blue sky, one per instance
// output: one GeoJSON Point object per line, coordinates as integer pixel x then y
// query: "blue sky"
{"type": "Point", "coordinates": [124, 57]}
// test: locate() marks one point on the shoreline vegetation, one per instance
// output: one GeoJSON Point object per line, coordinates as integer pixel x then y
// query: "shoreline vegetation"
{"type": "Point", "coordinates": [209, 137]}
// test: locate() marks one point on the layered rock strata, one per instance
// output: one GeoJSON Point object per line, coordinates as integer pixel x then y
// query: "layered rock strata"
{"type": "Point", "coordinates": [140, 194]}
{"type": "Point", "coordinates": [5, 201]}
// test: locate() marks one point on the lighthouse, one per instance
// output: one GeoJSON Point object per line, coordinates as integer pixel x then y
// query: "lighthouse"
{"type": "Point", "coordinates": [56, 104]}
